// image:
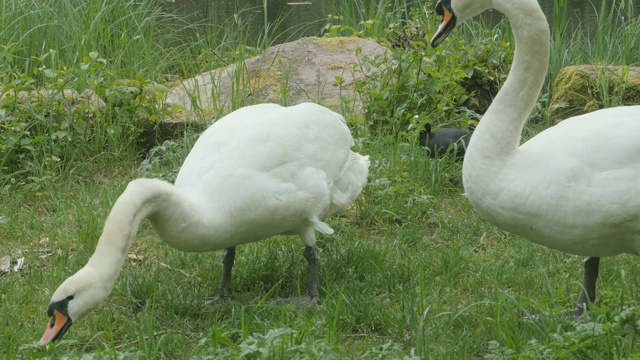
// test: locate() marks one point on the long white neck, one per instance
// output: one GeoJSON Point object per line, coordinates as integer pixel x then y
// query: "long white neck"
{"type": "Point", "coordinates": [497, 136]}
{"type": "Point", "coordinates": [143, 198]}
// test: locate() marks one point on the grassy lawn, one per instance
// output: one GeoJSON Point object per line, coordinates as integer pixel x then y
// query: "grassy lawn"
{"type": "Point", "coordinates": [411, 272]}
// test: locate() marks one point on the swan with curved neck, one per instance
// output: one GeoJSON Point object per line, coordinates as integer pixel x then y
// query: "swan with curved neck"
{"type": "Point", "coordinates": [574, 187]}
{"type": "Point", "coordinates": [260, 171]}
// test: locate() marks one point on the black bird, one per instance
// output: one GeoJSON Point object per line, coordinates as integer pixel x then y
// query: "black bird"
{"type": "Point", "coordinates": [443, 141]}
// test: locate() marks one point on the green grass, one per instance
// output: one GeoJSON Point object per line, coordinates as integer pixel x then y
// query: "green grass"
{"type": "Point", "coordinates": [136, 37]}
{"type": "Point", "coordinates": [123, 31]}
{"type": "Point", "coordinates": [366, 18]}
{"type": "Point", "coordinates": [412, 271]}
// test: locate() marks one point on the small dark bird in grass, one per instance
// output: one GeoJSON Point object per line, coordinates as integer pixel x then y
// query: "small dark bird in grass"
{"type": "Point", "coordinates": [443, 141]}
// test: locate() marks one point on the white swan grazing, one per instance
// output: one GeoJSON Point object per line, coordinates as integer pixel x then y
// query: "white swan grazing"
{"type": "Point", "coordinates": [574, 187]}
{"type": "Point", "coordinates": [260, 171]}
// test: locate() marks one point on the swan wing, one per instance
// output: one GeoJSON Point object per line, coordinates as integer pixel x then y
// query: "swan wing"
{"type": "Point", "coordinates": [268, 169]}
{"type": "Point", "coordinates": [599, 140]}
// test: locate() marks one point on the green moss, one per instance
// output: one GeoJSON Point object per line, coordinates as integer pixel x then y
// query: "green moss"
{"type": "Point", "coordinates": [335, 43]}
{"type": "Point", "coordinates": [584, 88]}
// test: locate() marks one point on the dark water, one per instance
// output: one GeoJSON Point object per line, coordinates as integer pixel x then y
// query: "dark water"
{"type": "Point", "coordinates": [305, 19]}
{"type": "Point", "coordinates": [308, 17]}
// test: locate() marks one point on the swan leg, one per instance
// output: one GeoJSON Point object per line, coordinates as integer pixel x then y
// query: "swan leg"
{"type": "Point", "coordinates": [228, 258]}
{"type": "Point", "coordinates": [588, 293]}
{"type": "Point", "coordinates": [311, 254]}
{"type": "Point", "coordinates": [311, 299]}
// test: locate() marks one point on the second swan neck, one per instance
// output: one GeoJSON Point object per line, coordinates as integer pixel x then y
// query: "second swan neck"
{"type": "Point", "coordinates": [498, 134]}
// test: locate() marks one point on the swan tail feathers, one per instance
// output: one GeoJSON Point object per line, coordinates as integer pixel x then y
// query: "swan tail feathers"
{"type": "Point", "coordinates": [349, 184]}
{"type": "Point", "coordinates": [322, 226]}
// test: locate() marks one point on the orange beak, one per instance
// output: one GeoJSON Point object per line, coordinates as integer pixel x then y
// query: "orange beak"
{"type": "Point", "coordinates": [58, 325]}
{"type": "Point", "coordinates": [446, 17]}
{"type": "Point", "coordinates": [448, 23]}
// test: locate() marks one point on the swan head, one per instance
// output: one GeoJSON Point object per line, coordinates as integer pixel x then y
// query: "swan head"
{"type": "Point", "coordinates": [77, 296]}
{"type": "Point", "coordinates": [455, 12]}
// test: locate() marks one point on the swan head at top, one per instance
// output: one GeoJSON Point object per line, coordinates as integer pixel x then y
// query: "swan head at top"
{"type": "Point", "coordinates": [455, 12]}
{"type": "Point", "coordinates": [77, 296]}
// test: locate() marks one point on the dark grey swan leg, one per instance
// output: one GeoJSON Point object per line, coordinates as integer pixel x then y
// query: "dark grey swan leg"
{"type": "Point", "coordinates": [588, 293]}
{"type": "Point", "coordinates": [224, 291]}
{"type": "Point", "coordinates": [311, 254]}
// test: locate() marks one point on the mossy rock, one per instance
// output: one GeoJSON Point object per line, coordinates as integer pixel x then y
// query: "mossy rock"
{"type": "Point", "coordinates": [321, 70]}
{"type": "Point", "coordinates": [581, 89]}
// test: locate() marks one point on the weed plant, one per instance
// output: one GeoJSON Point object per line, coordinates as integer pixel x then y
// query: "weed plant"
{"type": "Point", "coordinates": [447, 87]}
{"type": "Point", "coordinates": [46, 130]}
{"type": "Point", "coordinates": [118, 50]}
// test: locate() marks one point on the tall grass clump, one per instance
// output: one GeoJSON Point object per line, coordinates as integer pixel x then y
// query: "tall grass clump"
{"type": "Point", "coordinates": [220, 37]}
{"type": "Point", "coordinates": [613, 39]}
{"type": "Point", "coordinates": [617, 36]}
{"type": "Point", "coordinates": [135, 36]}
{"type": "Point", "coordinates": [365, 18]}
{"type": "Point", "coordinates": [269, 29]}
{"type": "Point", "coordinates": [559, 38]}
